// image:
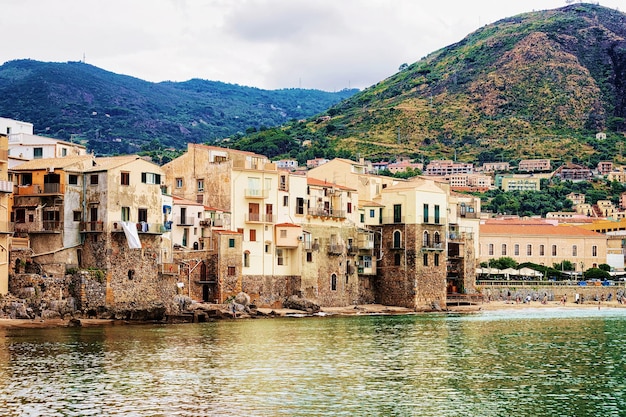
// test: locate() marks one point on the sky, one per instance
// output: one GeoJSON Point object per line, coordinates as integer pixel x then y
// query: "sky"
{"type": "Point", "coordinates": [270, 44]}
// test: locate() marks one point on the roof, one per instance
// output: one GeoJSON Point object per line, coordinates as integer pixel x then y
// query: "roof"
{"type": "Point", "coordinates": [530, 229]}
{"type": "Point", "coordinates": [369, 203]}
{"type": "Point", "coordinates": [56, 163]}
{"type": "Point", "coordinates": [322, 183]}
{"type": "Point", "coordinates": [226, 232]}
{"type": "Point", "coordinates": [110, 162]}
{"type": "Point", "coordinates": [185, 202]}
{"type": "Point", "coordinates": [417, 183]}
{"type": "Point", "coordinates": [287, 225]}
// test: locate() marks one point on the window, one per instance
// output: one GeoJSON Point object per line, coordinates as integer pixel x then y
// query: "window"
{"type": "Point", "coordinates": [436, 214]}
{"type": "Point", "coordinates": [252, 235]}
{"type": "Point", "coordinates": [231, 271]}
{"type": "Point", "coordinates": [309, 257]}
{"type": "Point", "coordinates": [553, 250]}
{"type": "Point", "coordinates": [516, 250]}
{"type": "Point", "coordinates": [231, 243]}
{"type": "Point", "coordinates": [200, 185]}
{"type": "Point", "coordinates": [436, 259]}
{"type": "Point", "coordinates": [37, 153]}
{"type": "Point", "coordinates": [283, 234]}
{"type": "Point", "coordinates": [362, 217]}
{"type": "Point", "coordinates": [142, 215]}
{"type": "Point", "coordinates": [333, 282]}
{"type": "Point", "coordinates": [125, 214]}
{"type": "Point", "coordinates": [280, 257]}
{"type": "Point", "coordinates": [397, 259]}
{"type": "Point", "coordinates": [125, 178]}
{"type": "Point", "coordinates": [504, 249]}
{"type": "Point", "coordinates": [367, 261]}
{"type": "Point", "coordinates": [372, 213]}
{"type": "Point", "coordinates": [93, 179]}
{"type": "Point", "coordinates": [150, 178]}
{"type": "Point", "coordinates": [425, 258]}
{"type": "Point", "coordinates": [246, 259]}
{"type": "Point", "coordinates": [77, 216]}
{"type": "Point", "coordinates": [268, 247]}
{"type": "Point", "coordinates": [594, 250]}
{"type": "Point", "coordinates": [72, 179]}
{"type": "Point", "coordinates": [64, 152]}
{"type": "Point", "coordinates": [437, 239]}
{"type": "Point", "coordinates": [282, 183]}
{"type": "Point", "coordinates": [490, 250]}
{"type": "Point", "coordinates": [200, 198]}
{"type": "Point", "coordinates": [541, 250]}
{"type": "Point", "coordinates": [349, 207]}
{"type": "Point", "coordinates": [397, 239]}
{"type": "Point", "coordinates": [425, 213]}
{"type": "Point", "coordinates": [529, 250]}
{"type": "Point", "coordinates": [426, 239]}
{"type": "Point", "coordinates": [179, 183]}
{"type": "Point", "coordinates": [285, 200]}
{"type": "Point", "coordinates": [299, 205]}
{"type": "Point", "coordinates": [574, 250]}
{"type": "Point", "coordinates": [397, 213]}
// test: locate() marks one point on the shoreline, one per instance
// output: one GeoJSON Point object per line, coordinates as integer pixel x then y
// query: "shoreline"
{"type": "Point", "coordinates": [366, 309]}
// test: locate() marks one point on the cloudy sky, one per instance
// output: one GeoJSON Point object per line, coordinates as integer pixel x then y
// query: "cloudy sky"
{"type": "Point", "coordinates": [270, 44]}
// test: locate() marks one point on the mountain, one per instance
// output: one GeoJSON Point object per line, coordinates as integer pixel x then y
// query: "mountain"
{"type": "Point", "coordinates": [539, 84]}
{"type": "Point", "coordinates": [112, 113]}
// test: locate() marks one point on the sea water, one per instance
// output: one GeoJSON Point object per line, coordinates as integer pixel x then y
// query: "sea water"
{"type": "Point", "coordinates": [531, 362]}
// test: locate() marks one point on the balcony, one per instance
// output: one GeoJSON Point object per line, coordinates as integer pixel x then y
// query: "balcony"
{"type": "Point", "coordinates": [260, 218]}
{"type": "Point", "coordinates": [96, 226]}
{"type": "Point", "coordinates": [142, 227]}
{"type": "Point", "coordinates": [6, 186]}
{"type": "Point", "coordinates": [335, 249]}
{"type": "Point", "coordinates": [256, 193]}
{"type": "Point", "coordinates": [394, 220]}
{"type": "Point", "coordinates": [52, 226]}
{"type": "Point", "coordinates": [37, 189]}
{"type": "Point", "coordinates": [438, 246]}
{"type": "Point", "coordinates": [352, 249]}
{"type": "Point", "coordinates": [331, 213]}
{"type": "Point", "coordinates": [184, 221]}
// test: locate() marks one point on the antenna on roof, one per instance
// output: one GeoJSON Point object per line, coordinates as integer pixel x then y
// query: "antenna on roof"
{"type": "Point", "coordinates": [83, 57]}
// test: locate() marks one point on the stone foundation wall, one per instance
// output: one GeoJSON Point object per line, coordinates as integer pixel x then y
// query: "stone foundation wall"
{"type": "Point", "coordinates": [270, 291]}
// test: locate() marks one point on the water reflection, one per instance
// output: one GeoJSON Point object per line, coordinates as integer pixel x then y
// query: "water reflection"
{"type": "Point", "coordinates": [532, 363]}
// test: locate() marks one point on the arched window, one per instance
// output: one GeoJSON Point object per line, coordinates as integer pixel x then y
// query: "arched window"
{"type": "Point", "coordinates": [574, 250]}
{"type": "Point", "coordinates": [333, 282]}
{"type": "Point", "coordinates": [437, 238]}
{"type": "Point", "coordinates": [426, 239]}
{"type": "Point", "coordinates": [246, 259]}
{"type": "Point", "coordinates": [504, 249]}
{"type": "Point", "coordinates": [397, 238]}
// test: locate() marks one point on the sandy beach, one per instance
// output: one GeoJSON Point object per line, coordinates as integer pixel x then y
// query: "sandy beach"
{"type": "Point", "coordinates": [346, 311]}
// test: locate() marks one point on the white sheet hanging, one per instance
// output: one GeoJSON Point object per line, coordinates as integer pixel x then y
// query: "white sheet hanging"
{"type": "Point", "coordinates": [130, 230]}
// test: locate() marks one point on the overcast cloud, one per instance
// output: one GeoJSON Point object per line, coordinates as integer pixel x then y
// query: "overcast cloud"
{"type": "Point", "coordinates": [270, 44]}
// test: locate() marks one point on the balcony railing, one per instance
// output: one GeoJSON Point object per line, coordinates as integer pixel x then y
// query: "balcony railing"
{"type": "Point", "coordinates": [433, 246]}
{"type": "Point", "coordinates": [320, 212]}
{"type": "Point", "coordinates": [184, 220]}
{"type": "Point", "coordinates": [260, 218]}
{"type": "Point", "coordinates": [256, 193]}
{"type": "Point", "coordinates": [96, 226]}
{"type": "Point", "coordinates": [38, 189]}
{"type": "Point", "coordinates": [6, 186]}
{"type": "Point", "coordinates": [335, 249]}
{"type": "Point", "coordinates": [52, 225]}
{"type": "Point", "coordinates": [142, 227]}
{"type": "Point", "coordinates": [393, 220]}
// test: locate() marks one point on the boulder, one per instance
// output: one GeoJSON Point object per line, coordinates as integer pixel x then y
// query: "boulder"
{"type": "Point", "coordinates": [296, 303]}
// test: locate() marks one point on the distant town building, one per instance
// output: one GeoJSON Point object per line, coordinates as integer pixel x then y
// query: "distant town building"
{"type": "Point", "coordinates": [496, 166]}
{"type": "Point", "coordinates": [518, 182]}
{"type": "Point", "coordinates": [576, 198]}
{"type": "Point", "coordinates": [10, 127]}
{"type": "Point", "coordinates": [534, 165]}
{"type": "Point", "coordinates": [447, 167]}
{"type": "Point", "coordinates": [617, 174]}
{"type": "Point", "coordinates": [402, 164]}
{"type": "Point", "coordinates": [286, 164]}
{"type": "Point", "coordinates": [600, 135]}
{"type": "Point", "coordinates": [573, 172]}
{"type": "Point", "coordinates": [312, 163]}
{"type": "Point", "coordinates": [605, 167]}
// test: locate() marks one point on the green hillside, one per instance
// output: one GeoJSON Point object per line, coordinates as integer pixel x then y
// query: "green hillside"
{"type": "Point", "coordinates": [540, 84]}
{"type": "Point", "coordinates": [112, 113]}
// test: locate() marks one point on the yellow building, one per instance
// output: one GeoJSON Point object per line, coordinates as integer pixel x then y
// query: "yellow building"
{"type": "Point", "coordinates": [6, 188]}
{"type": "Point", "coordinates": [542, 243]}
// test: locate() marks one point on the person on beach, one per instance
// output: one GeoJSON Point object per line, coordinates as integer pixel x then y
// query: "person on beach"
{"type": "Point", "coordinates": [577, 298]}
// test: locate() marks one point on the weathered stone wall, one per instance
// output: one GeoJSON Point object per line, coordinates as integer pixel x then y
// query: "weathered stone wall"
{"type": "Point", "coordinates": [554, 292]}
{"type": "Point", "coordinates": [317, 275]}
{"type": "Point", "coordinates": [367, 289]}
{"type": "Point", "coordinates": [396, 283]}
{"type": "Point", "coordinates": [36, 286]}
{"type": "Point", "coordinates": [270, 291]}
{"type": "Point", "coordinates": [229, 266]}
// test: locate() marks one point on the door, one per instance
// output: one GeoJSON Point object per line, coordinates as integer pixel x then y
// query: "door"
{"type": "Point", "coordinates": [253, 212]}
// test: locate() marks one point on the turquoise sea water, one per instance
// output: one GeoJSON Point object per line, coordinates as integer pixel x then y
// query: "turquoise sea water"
{"type": "Point", "coordinates": [543, 362]}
